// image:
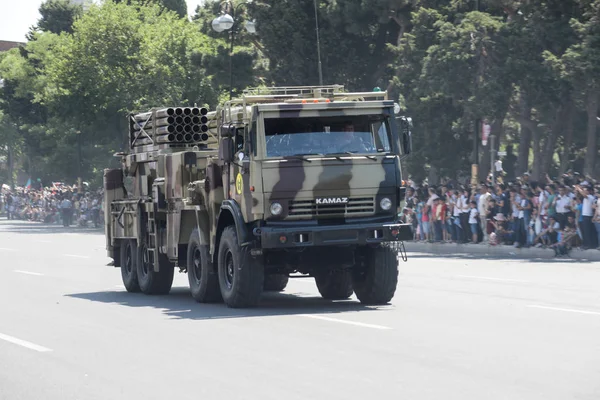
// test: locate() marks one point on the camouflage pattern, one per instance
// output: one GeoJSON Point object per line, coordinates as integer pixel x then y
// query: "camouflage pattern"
{"type": "Point", "coordinates": [179, 187]}
{"type": "Point", "coordinates": [297, 183]}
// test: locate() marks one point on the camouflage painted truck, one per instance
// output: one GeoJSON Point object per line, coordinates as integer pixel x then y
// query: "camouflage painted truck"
{"type": "Point", "coordinates": [302, 181]}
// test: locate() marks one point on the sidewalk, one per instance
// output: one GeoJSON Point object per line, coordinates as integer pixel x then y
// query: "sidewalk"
{"type": "Point", "coordinates": [501, 251]}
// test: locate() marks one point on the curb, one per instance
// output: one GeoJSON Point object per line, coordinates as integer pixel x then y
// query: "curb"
{"type": "Point", "coordinates": [500, 251]}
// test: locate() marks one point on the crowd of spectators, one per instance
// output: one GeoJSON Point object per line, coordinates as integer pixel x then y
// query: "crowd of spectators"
{"type": "Point", "coordinates": [558, 213]}
{"type": "Point", "coordinates": [58, 204]}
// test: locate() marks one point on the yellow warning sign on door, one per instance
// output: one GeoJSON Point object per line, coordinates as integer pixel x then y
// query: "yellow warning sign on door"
{"type": "Point", "coordinates": [238, 183]}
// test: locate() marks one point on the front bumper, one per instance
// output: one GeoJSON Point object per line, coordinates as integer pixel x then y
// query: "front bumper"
{"type": "Point", "coordinates": [337, 235]}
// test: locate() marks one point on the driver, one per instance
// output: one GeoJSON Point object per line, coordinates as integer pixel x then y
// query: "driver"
{"type": "Point", "coordinates": [350, 142]}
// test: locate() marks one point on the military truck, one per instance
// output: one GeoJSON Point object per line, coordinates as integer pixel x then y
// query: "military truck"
{"type": "Point", "coordinates": [282, 181]}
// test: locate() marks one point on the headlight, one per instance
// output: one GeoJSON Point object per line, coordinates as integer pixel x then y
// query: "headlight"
{"type": "Point", "coordinates": [276, 208]}
{"type": "Point", "coordinates": [385, 204]}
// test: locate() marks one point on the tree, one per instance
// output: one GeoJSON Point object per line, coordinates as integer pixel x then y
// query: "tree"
{"type": "Point", "coordinates": [58, 15]}
{"type": "Point", "coordinates": [454, 74]}
{"type": "Point", "coordinates": [178, 6]}
{"type": "Point", "coordinates": [70, 88]}
{"type": "Point", "coordinates": [581, 65]}
{"type": "Point", "coordinates": [531, 68]}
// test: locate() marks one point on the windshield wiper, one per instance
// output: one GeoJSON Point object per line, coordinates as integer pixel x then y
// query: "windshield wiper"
{"type": "Point", "coordinates": [351, 153]}
{"type": "Point", "coordinates": [301, 156]}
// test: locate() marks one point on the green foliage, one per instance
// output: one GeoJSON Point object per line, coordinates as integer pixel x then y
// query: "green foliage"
{"type": "Point", "coordinates": [179, 6]}
{"type": "Point", "coordinates": [531, 68]}
{"type": "Point", "coordinates": [58, 16]}
{"type": "Point", "coordinates": [119, 58]}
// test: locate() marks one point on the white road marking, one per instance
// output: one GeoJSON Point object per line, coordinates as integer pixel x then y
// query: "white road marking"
{"type": "Point", "coordinates": [343, 321]}
{"type": "Point", "coordinates": [7, 249]}
{"type": "Point", "coordinates": [24, 343]}
{"type": "Point", "coordinates": [565, 309]}
{"type": "Point", "coordinates": [28, 272]}
{"type": "Point", "coordinates": [491, 279]}
{"type": "Point", "coordinates": [75, 256]}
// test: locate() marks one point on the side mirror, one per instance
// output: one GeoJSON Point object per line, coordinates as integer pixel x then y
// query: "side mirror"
{"type": "Point", "coordinates": [405, 125]}
{"type": "Point", "coordinates": [226, 154]}
{"type": "Point", "coordinates": [227, 131]}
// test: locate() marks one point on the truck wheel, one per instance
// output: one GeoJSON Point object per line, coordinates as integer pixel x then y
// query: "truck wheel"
{"type": "Point", "coordinates": [204, 280]}
{"type": "Point", "coordinates": [334, 284]}
{"type": "Point", "coordinates": [240, 276]}
{"type": "Point", "coordinates": [376, 282]}
{"type": "Point", "coordinates": [152, 282]}
{"type": "Point", "coordinates": [128, 254]}
{"type": "Point", "coordinates": [275, 282]}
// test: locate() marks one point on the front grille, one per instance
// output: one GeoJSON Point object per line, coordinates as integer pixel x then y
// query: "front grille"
{"type": "Point", "coordinates": [359, 206]}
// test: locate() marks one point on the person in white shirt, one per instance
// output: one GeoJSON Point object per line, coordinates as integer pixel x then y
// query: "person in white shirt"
{"type": "Point", "coordinates": [473, 222]}
{"type": "Point", "coordinates": [483, 204]}
{"type": "Point", "coordinates": [464, 215]}
{"type": "Point", "coordinates": [596, 219]}
{"type": "Point", "coordinates": [563, 206]}
{"type": "Point", "coordinates": [542, 202]}
{"type": "Point", "coordinates": [432, 196]}
{"type": "Point", "coordinates": [66, 209]}
{"type": "Point", "coordinates": [587, 213]}
{"type": "Point", "coordinates": [457, 210]}
{"type": "Point", "coordinates": [524, 206]}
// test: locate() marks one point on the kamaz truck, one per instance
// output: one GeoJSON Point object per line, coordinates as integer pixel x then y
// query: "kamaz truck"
{"type": "Point", "coordinates": [280, 182]}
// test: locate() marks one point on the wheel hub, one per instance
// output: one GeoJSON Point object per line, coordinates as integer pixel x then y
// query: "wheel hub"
{"type": "Point", "coordinates": [197, 264]}
{"type": "Point", "coordinates": [229, 270]}
{"type": "Point", "coordinates": [128, 261]}
{"type": "Point", "coordinates": [145, 259]}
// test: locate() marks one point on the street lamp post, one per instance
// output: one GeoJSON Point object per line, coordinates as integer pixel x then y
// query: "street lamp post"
{"type": "Point", "coordinates": [79, 160]}
{"type": "Point", "coordinates": [318, 44]}
{"type": "Point", "coordinates": [227, 21]}
{"type": "Point", "coordinates": [475, 166]}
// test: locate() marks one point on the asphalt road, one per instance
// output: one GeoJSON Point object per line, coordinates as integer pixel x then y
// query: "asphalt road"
{"type": "Point", "coordinates": [457, 329]}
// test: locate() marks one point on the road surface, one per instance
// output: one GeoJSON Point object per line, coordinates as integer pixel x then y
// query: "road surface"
{"type": "Point", "coordinates": [457, 329]}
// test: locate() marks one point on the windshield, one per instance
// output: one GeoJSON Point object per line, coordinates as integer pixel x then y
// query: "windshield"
{"type": "Point", "coordinates": [361, 134]}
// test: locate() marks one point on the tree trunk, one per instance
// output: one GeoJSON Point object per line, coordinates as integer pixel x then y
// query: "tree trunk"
{"type": "Point", "coordinates": [591, 148]}
{"type": "Point", "coordinates": [433, 176]}
{"type": "Point", "coordinates": [377, 67]}
{"type": "Point", "coordinates": [568, 140]}
{"type": "Point", "coordinates": [525, 140]}
{"type": "Point", "coordinates": [403, 22]}
{"type": "Point", "coordinates": [557, 127]}
{"type": "Point", "coordinates": [536, 168]}
{"type": "Point", "coordinates": [486, 158]}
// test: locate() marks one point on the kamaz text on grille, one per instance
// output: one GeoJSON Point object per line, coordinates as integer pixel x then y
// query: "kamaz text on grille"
{"type": "Point", "coordinates": [332, 200]}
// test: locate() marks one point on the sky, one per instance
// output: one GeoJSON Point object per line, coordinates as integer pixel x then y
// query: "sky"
{"type": "Point", "coordinates": [16, 16]}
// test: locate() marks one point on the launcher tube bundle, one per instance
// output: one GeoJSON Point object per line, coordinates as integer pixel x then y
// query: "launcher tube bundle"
{"type": "Point", "coordinates": [173, 125]}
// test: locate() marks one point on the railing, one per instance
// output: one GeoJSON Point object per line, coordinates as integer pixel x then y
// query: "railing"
{"type": "Point", "coordinates": [290, 94]}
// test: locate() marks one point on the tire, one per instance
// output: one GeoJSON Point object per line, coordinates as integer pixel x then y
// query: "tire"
{"type": "Point", "coordinates": [335, 284]}
{"type": "Point", "coordinates": [376, 283]}
{"type": "Point", "coordinates": [128, 254]}
{"type": "Point", "coordinates": [275, 282]}
{"type": "Point", "coordinates": [241, 278]}
{"type": "Point", "coordinates": [152, 282]}
{"type": "Point", "coordinates": [202, 276]}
